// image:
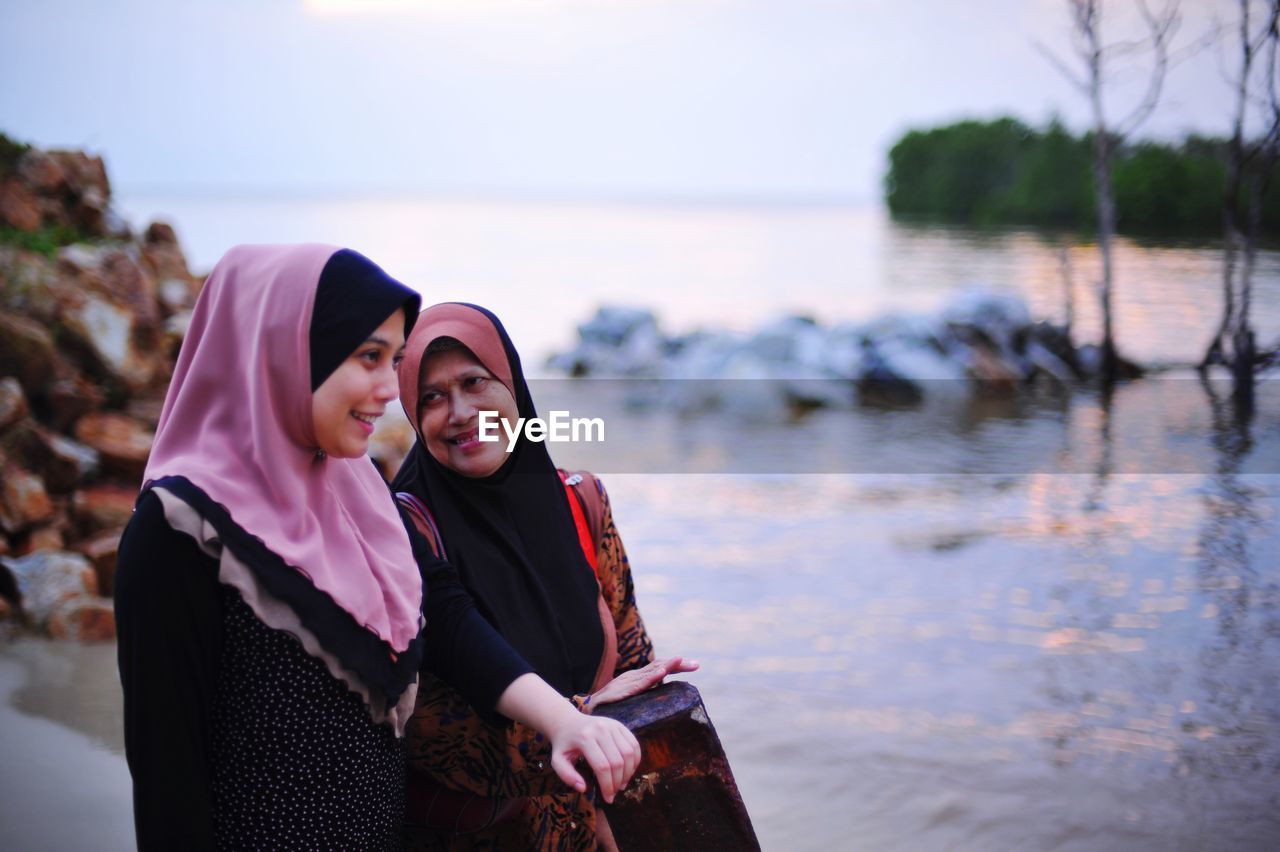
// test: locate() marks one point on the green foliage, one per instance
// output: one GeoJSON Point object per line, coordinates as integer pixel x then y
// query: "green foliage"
{"type": "Point", "coordinates": [1002, 172]}
{"type": "Point", "coordinates": [10, 151]}
{"type": "Point", "coordinates": [46, 241]}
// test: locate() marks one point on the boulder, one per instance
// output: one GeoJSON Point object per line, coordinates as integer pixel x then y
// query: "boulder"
{"type": "Point", "coordinates": [41, 172]}
{"type": "Point", "coordinates": [101, 550]}
{"type": "Point", "coordinates": [87, 191]}
{"type": "Point", "coordinates": [69, 399]}
{"type": "Point", "coordinates": [163, 255]}
{"type": "Point", "coordinates": [122, 442]}
{"type": "Point", "coordinates": [47, 579]}
{"type": "Point", "coordinates": [147, 409]}
{"type": "Point", "coordinates": [19, 205]}
{"type": "Point", "coordinates": [84, 619]}
{"type": "Point", "coordinates": [13, 402]}
{"type": "Point", "coordinates": [25, 277]}
{"type": "Point", "coordinates": [108, 309]}
{"type": "Point", "coordinates": [61, 462]}
{"type": "Point", "coordinates": [102, 507]}
{"type": "Point", "coordinates": [68, 463]}
{"type": "Point", "coordinates": [24, 503]}
{"type": "Point", "coordinates": [26, 352]}
{"type": "Point", "coordinates": [41, 538]}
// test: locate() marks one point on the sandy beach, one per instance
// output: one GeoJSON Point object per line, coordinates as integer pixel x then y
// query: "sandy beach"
{"type": "Point", "coordinates": [65, 784]}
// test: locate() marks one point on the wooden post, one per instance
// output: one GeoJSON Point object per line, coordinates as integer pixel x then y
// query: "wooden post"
{"type": "Point", "coordinates": [683, 796]}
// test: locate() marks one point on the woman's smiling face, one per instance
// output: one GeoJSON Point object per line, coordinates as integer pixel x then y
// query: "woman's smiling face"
{"type": "Point", "coordinates": [348, 402]}
{"type": "Point", "coordinates": [453, 389]}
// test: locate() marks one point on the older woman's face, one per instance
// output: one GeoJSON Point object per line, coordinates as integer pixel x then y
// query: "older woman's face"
{"type": "Point", "coordinates": [452, 391]}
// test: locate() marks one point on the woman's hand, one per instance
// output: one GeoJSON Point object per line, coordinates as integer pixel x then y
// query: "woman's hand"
{"type": "Point", "coordinates": [607, 746]}
{"type": "Point", "coordinates": [637, 681]}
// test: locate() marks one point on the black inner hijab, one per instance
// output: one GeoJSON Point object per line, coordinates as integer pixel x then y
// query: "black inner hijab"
{"type": "Point", "coordinates": [512, 538]}
{"type": "Point", "coordinates": [354, 297]}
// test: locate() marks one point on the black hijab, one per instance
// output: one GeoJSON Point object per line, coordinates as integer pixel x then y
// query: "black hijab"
{"type": "Point", "coordinates": [511, 535]}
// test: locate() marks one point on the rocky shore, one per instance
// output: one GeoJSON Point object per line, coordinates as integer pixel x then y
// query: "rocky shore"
{"type": "Point", "coordinates": [88, 334]}
{"type": "Point", "coordinates": [981, 342]}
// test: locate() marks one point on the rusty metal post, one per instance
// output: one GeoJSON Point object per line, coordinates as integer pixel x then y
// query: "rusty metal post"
{"type": "Point", "coordinates": [683, 796]}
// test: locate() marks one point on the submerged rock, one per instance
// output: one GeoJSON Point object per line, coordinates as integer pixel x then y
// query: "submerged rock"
{"type": "Point", "coordinates": [981, 340]}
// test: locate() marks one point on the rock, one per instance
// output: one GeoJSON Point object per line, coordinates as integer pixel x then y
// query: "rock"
{"type": "Point", "coordinates": [122, 442]}
{"type": "Point", "coordinates": [13, 402]}
{"type": "Point", "coordinates": [41, 538]}
{"type": "Point", "coordinates": [26, 352]}
{"type": "Point", "coordinates": [41, 172]}
{"type": "Point", "coordinates": [617, 341]}
{"type": "Point", "coordinates": [101, 550]}
{"type": "Point", "coordinates": [85, 619]}
{"type": "Point", "coordinates": [116, 226]}
{"type": "Point", "coordinates": [102, 507]}
{"type": "Point", "coordinates": [19, 206]}
{"type": "Point", "coordinates": [70, 399]}
{"type": "Point", "coordinates": [175, 331]}
{"type": "Point", "coordinates": [1048, 362]}
{"type": "Point", "coordinates": [683, 794]}
{"type": "Point", "coordinates": [108, 306]}
{"type": "Point", "coordinates": [391, 440]}
{"type": "Point", "coordinates": [996, 314]}
{"type": "Point", "coordinates": [24, 502]}
{"type": "Point", "coordinates": [61, 462]}
{"type": "Point", "coordinates": [990, 370]}
{"type": "Point", "coordinates": [68, 463]}
{"type": "Point", "coordinates": [147, 409]}
{"type": "Point", "coordinates": [175, 295]}
{"type": "Point", "coordinates": [48, 579]}
{"type": "Point", "coordinates": [24, 277]}
{"type": "Point", "coordinates": [88, 191]}
{"type": "Point", "coordinates": [162, 253]}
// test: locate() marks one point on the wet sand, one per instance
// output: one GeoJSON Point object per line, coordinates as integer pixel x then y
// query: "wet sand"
{"type": "Point", "coordinates": [64, 784]}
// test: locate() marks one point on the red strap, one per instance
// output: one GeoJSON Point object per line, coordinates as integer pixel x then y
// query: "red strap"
{"type": "Point", "coordinates": [585, 539]}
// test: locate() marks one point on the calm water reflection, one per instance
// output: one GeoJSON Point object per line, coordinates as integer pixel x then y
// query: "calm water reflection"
{"type": "Point", "coordinates": [1036, 660]}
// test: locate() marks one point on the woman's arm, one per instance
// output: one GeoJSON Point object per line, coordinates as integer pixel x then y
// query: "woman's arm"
{"type": "Point", "coordinates": [607, 746]}
{"type": "Point", "coordinates": [464, 650]}
{"type": "Point", "coordinates": [169, 625]}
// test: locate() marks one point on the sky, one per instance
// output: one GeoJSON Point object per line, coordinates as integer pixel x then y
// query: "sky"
{"type": "Point", "coordinates": [715, 99]}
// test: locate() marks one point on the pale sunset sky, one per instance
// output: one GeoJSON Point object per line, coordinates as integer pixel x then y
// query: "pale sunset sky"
{"type": "Point", "coordinates": [723, 99]}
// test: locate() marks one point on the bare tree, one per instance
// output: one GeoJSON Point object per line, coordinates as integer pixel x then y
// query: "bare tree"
{"type": "Point", "coordinates": [1249, 167]}
{"type": "Point", "coordinates": [1089, 75]}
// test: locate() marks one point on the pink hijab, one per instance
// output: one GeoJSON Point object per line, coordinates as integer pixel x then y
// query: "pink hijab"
{"type": "Point", "coordinates": [237, 424]}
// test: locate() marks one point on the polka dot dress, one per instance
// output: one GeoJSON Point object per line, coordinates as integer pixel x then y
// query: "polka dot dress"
{"type": "Point", "coordinates": [297, 762]}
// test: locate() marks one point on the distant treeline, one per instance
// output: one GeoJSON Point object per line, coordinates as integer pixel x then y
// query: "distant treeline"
{"type": "Point", "coordinates": [1003, 172]}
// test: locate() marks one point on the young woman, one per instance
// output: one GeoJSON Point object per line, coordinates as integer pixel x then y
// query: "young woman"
{"type": "Point", "coordinates": [269, 602]}
{"type": "Point", "coordinates": [560, 594]}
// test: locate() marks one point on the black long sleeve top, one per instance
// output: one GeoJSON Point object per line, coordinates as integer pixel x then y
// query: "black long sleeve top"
{"type": "Point", "coordinates": [171, 611]}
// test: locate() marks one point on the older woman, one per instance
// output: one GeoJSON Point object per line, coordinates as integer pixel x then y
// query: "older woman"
{"type": "Point", "coordinates": [269, 601]}
{"type": "Point", "coordinates": [556, 585]}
